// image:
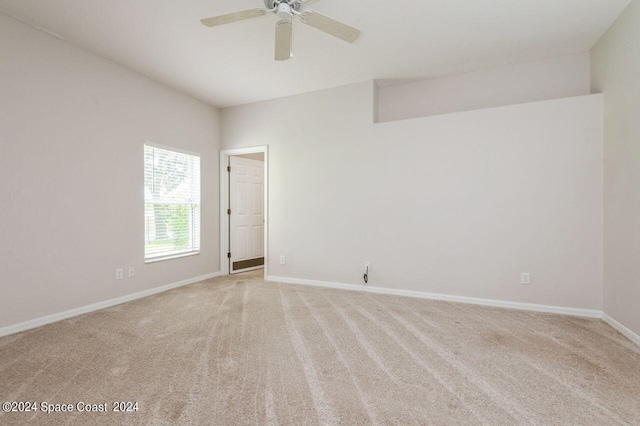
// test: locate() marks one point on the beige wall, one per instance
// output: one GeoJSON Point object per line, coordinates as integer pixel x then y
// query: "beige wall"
{"type": "Point", "coordinates": [458, 204]}
{"type": "Point", "coordinates": [616, 73]}
{"type": "Point", "coordinates": [72, 129]}
{"type": "Point", "coordinates": [552, 78]}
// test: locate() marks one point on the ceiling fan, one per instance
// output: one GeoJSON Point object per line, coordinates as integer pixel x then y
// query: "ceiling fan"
{"type": "Point", "coordinates": [286, 10]}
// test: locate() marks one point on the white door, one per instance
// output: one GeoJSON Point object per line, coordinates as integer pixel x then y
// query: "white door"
{"type": "Point", "coordinates": [246, 218]}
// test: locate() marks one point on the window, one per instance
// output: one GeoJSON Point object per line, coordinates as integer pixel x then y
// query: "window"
{"type": "Point", "coordinates": [171, 203]}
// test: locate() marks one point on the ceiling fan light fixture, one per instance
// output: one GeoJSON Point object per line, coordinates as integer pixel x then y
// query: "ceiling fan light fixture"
{"type": "Point", "coordinates": [284, 11]}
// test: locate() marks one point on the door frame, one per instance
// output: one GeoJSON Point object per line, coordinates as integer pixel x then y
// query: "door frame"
{"type": "Point", "coordinates": [224, 204]}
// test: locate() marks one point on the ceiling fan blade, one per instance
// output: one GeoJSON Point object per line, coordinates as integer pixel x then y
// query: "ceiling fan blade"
{"type": "Point", "coordinates": [283, 40]}
{"type": "Point", "coordinates": [331, 26]}
{"type": "Point", "coordinates": [233, 17]}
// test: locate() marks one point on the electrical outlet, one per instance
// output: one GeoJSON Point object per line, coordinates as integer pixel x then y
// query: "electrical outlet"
{"type": "Point", "coordinates": [119, 274]}
{"type": "Point", "coordinates": [132, 272]}
{"type": "Point", "coordinates": [525, 278]}
{"type": "Point", "coordinates": [283, 260]}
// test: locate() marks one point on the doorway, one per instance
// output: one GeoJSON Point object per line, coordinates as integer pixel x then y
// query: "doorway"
{"type": "Point", "coordinates": [243, 210]}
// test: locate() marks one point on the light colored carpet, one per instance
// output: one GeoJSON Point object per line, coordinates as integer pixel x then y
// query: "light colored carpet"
{"type": "Point", "coordinates": [243, 351]}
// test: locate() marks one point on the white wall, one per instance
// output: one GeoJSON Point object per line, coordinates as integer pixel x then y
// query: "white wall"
{"type": "Point", "coordinates": [72, 129]}
{"type": "Point", "coordinates": [458, 204]}
{"type": "Point", "coordinates": [553, 78]}
{"type": "Point", "coordinates": [616, 73]}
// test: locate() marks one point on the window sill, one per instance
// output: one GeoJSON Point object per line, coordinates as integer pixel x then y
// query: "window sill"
{"type": "Point", "coordinates": [171, 257]}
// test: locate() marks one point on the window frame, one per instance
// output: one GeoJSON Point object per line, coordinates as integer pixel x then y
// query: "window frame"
{"type": "Point", "coordinates": [178, 254]}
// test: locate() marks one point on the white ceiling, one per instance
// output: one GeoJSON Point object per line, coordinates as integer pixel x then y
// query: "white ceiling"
{"type": "Point", "coordinates": [232, 65]}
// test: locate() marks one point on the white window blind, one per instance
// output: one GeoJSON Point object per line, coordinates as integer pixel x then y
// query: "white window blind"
{"type": "Point", "coordinates": [171, 203]}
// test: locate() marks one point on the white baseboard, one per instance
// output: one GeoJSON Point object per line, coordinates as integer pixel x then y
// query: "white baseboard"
{"type": "Point", "coordinates": [622, 329]}
{"type": "Point", "coordinates": [589, 313]}
{"type": "Point", "coordinates": [39, 322]}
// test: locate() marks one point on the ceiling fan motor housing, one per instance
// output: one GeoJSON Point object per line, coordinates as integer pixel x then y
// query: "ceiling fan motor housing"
{"type": "Point", "coordinates": [291, 4]}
